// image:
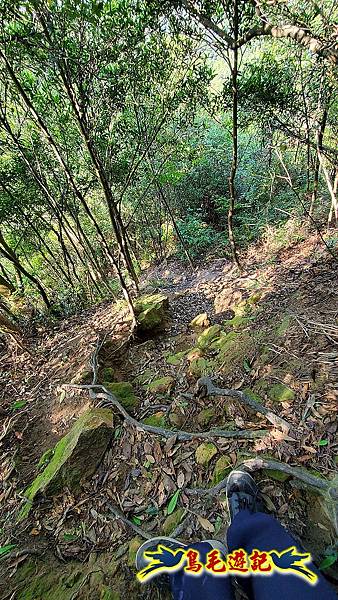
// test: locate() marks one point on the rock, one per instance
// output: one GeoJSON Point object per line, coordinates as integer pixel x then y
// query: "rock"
{"type": "Point", "coordinates": [177, 419]}
{"type": "Point", "coordinates": [280, 393]}
{"type": "Point", "coordinates": [75, 457]}
{"type": "Point", "coordinates": [223, 466]}
{"type": "Point", "coordinates": [156, 420]}
{"type": "Point", "coordinates": [151, 312]}
{"type": "Point", "coordinates": [108, 374]}
{"type": "Point", "coordinates": [204, 453]}
{"type": "Point", "coordinates": [200, 321]}
{"type": "Point", "coordinates": [172, 521]}
{"type": "Point", "coordinates": [124, 392]}
{"type": "Point", "coordinates": [205, 416]}
{"type": "Point", "coordinates": [198, 367]}
{"type": "Point", "coordinates": [83, 376]}
{"type": "Point", "coordinates": [226, 300]}
{"type": "Point", "coordinates": [322, 525]}
{"type": "Point", "coordinates": [161, 386]}
{"type": "Point", "coordinates": [208, 336]}
{"type": "Point", "coordinates": [194, 353]}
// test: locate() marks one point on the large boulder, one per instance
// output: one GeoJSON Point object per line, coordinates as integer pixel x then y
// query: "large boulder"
{"type": "Point", "coordinates": [151, 312]}
{"type": "Point", "coordinates": [74, 458]}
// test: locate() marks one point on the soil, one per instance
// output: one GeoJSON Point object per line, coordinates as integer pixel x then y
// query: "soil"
{"type": "Point", "coordinates": [294, 336]}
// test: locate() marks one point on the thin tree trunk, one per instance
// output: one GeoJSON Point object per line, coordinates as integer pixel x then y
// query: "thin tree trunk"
{"type": "Point", "coordinates": [233, 171]}
{"type": "Point", "coordinates": [11, 256]}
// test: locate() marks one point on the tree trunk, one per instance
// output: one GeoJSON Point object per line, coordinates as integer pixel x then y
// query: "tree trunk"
{"type": "Point", "coordinates": [233, 171]}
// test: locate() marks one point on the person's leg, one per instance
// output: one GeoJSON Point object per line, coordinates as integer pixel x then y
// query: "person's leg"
{"type": "Point", "coordinates": [201, 587]}
{"type": "Point", "coordinates": [252, 530]}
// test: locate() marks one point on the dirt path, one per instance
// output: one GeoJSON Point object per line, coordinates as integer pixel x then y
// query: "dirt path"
{"type": "Point", "coordinates": [288, 340]}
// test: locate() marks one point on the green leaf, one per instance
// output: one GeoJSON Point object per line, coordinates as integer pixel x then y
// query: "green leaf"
{"type": "Point", "coordinates": [6, 549]}
{"type": "Point", "coordinates": [218, 524]}
{"type": "Point", "coordinates": [246, 366]}
{"type": "Point", "coordinates": [173, 502]}
{"type": "Point", "coordinates": [136, 520]}
{"type": "Point", "coordinates": [19, 404]}
{"type": "Point", "coordinates": [328, 561]}
{"type": "Point", "coordinates": [70, 537]}
{"type": "Point", "coordinates": [323, 442]}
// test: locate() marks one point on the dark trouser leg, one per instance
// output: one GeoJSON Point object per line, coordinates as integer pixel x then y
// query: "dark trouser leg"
{"type": "Point", "coordinates": [201, 587]}
{"type": "Point", "coordinates": [261, 531]}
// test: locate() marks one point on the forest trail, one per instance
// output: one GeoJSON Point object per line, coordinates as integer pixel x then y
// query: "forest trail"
{"type": "Point", "coordinates": [279, 318]}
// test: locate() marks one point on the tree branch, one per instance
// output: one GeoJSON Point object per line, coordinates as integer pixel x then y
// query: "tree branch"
{"type": "Point", "coordinates": [207, 388]}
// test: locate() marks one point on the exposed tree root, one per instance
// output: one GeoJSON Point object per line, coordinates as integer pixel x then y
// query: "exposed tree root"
{"type": "Point", "coordinates": [109, 399]}
{"type": "Point", "coordinates": [205, 387]}
{"type": "Point", "coordinates": [256, 464]}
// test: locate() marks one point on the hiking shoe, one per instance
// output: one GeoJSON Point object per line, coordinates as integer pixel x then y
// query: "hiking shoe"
{"type": "Point", "coordinates": [243, 494]}
{"type": "Point", "coordinates": [169, 559]}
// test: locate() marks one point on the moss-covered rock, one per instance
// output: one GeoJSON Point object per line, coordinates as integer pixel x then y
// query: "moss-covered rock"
{"type": "Point", "coordinates": [75, 457]}
{"type": "Point", "coordinates": [98, 579]}
{"type": "Point", "coordinates": [176, 419]}
{"type": "Point", "coordinates": [204, 453]}
{"type": "Point", "coordinates": [199, 367]}
{"type": "Point", "coordinates": [194, 353]}
{"type": "Point", "coordinates": [162, 385]}
{"type": "Point", "coordinates": [144, 377]}
{"type": "Point", "coordinates": [238, 322]}
{"type": "Point", "coordinates": [279, 392]}
{"type": "Point", "coordinates": [124, 392]}
{"type": "Point", "coordinates": [252, 394]}
{"type": "Point", "coordinates": [176, 359]}
{"type": "Point", "coordinates": [205, 416]}
{"type": "Point", "coordinates": [108, 374]}
{"type": "Point", "coordinates": [223, 466]}
{"type": "Point", "coordinates": [156, 420]}
{"type": "Point", "coordinates": [172, 521]}
{"type": "Point", "coordinates": [134, 545]}
{"type": "Point", "coordinates": [200, 321]}
{"type": "Point", "coordinates": [151, 312]}
{"type": "Point", "coordinates": [208, 336]}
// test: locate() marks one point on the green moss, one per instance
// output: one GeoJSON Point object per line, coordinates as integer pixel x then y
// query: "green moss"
{"type": "Point", "coordinates": [134, 545]}
{"type": "Point", "coordinates": [252, 395]}
{"type": "Point", "coordinates": [199, 367]}
{"type": "Point", "coordinates": [75, 456]}
{"type": "Point", "coordinates": [172, 521]}
{"type": "Point", "coordinates": [205, 416]}
{"type": "Point", "coordinates": [204, 453]}
{"type": "Point", "coordinates": [45, 458]}
{"type": "Point", "coordinates": [151, 312]}
{"type": "Point", "coordinates": [276, 475]}
{"type": "Point", "coordinates": [238, 322]}
{"type": "Point", "coordinates": [108, 374]}
{"type": "Point", "coordinates": [280, 393]}
{"type": "Point", "coordinates": [144, 377]}
{"type": "Point", "coordinates": [223, 466]}
{"type": "Point", "coordinates": [176, 359]}
{"type": "Point", "coordinates": [208, 336]}
{"type": "Point", "coordinates": [156, 420]}
{"type": "Point", "coordinates": [124, 392]}
{"type": "Point", "coordinates": [283, 326]}
{"type": "Point", "coordinates": [161, 385]}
